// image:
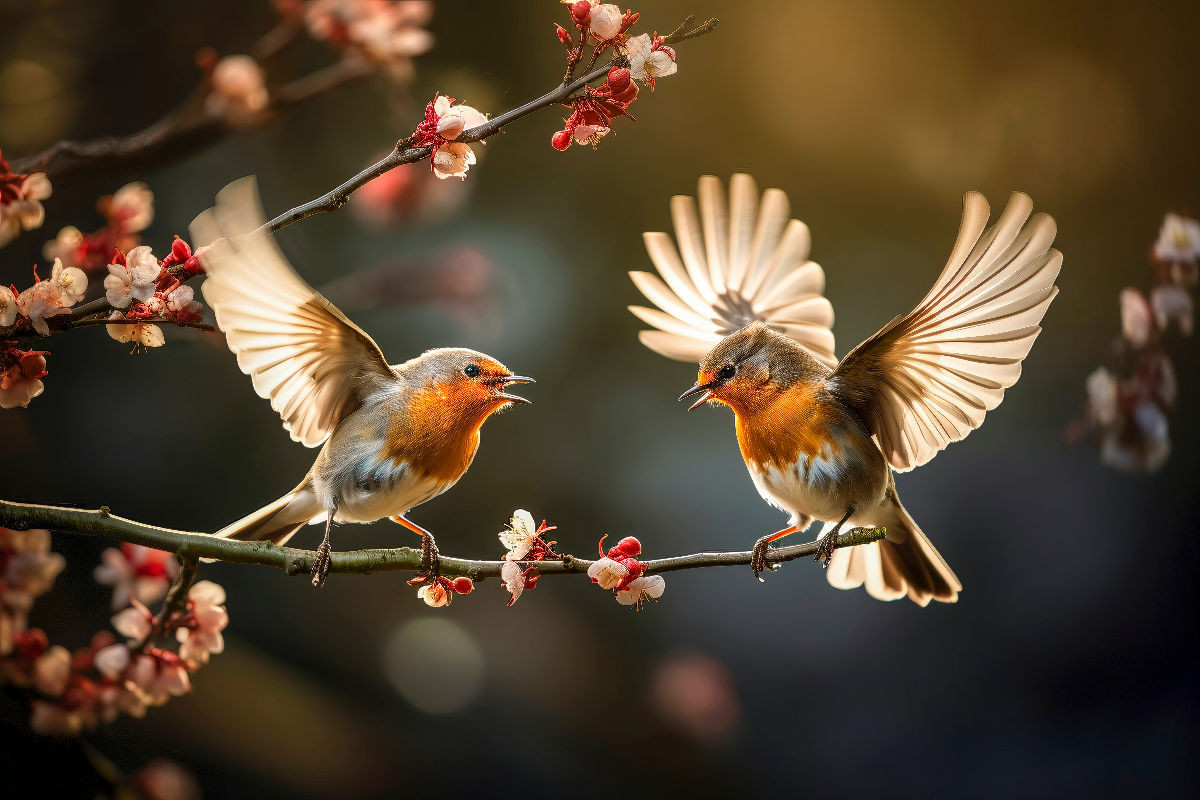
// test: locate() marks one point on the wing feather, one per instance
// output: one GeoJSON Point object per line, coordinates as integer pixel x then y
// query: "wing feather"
{"type": "Point", "coordinates": [730, 264]}
{"type": "Point", "coordinates": [928, 378]}
{"type": "Point", "coordinates": [301, 352]}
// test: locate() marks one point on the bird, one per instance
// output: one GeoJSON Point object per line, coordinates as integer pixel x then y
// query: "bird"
{"type": "Point", "coordinates": [822, 438]}
{"type": "Point", "coordinates": [394, 436]}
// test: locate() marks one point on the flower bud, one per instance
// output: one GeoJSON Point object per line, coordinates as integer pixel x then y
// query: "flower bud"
{"type": "Point", "coordinates": [618, 79]}
{"type": "Point", "coordinates": [581, 12]}
{"type": "Point", "coordinates": [462, 585]}
{"type": "Point", "coordinates": [561, 140]}
{"type": "Point", "coordinates": [451, 126]}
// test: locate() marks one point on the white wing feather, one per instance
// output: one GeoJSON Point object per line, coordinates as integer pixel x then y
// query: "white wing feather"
{"type": "Point", "coordinates": [301, 353]}
{"type": "Point", "coordinates": [735, 263]}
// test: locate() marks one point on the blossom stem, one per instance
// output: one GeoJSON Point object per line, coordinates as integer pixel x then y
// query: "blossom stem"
{"type": "Point", "coordinates": [190, 545]}
{"type": "Point", "coordinates": [403, 154]}
{"type": "Point", "coordinates": [175, 602]}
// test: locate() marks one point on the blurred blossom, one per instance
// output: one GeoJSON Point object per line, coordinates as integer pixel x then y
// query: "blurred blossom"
{"type": "Point", "coordinates": [387, 32]}
{"type": "Point", "coordinates": [239, 90]}
{"type": "Point", "coordinates": [1103, 392]}
{"type": "Point", "coordinates": [131, 207]}
{"type": "Point", "coordinates": [695, 695]}
{"type": "Point", "coordinates": [404, 193]}
{"type": "Point", "coordinates": [206, 618]}
{"type": "Point", "coordinates": [164, 780]}
{"type": "Point", "coordinates": [8, 307]}
{"type": "Point", "coordinates": [1137, 324]}
{"type": "Point", "coordinates": [458, 280]}
{"type": "Point", "coordinates": [21, 373]}
{"type": "Point", "coordinates": [136, 573]}
{"type": "Point", "coordinates": [1178, 240]}
{"type": "Point", "coordinates": [1172, 306]}
{"type": "Point", "coordinates": [1142, 444]}
{"type": "Point", "coordinates": [51, 671]}
{"type": "Point", "coordinates": [21, 199]}
{"type": "Point", "coordinates": [436, 664]}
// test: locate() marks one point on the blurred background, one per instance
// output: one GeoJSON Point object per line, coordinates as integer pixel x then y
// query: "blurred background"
{"type": "Point", "coordinates": [1069, 666]}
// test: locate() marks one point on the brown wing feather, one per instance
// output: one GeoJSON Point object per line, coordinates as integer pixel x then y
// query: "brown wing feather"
{"type": "Point", "coordinates": [928, 378]}
{"type": "Point", "coordinates": [300, 351]}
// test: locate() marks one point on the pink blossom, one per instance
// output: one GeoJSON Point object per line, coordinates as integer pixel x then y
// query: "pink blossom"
{"type": "Point", "coordinates": [27, 567]}
{"type": "Point", "coordinates": [450, 157]}
{"type": "Point", "coordinates": [389, 33]}
{"type": "Point", "coordinates": [513, 578]}
{"type": "Point", "coordinates": [165, 780]}
{"type": "Point", "coordinates": [155, 678]}
{"type": "Point", "coordinates": [142, 334]}
{"type": "Point", "coordinates": [1136, 321]}
{"type": "Point", "coordinates": [40, 301]}
{"type": "Point", "coordinates": [21, 373]}
{"type": "Point", "coordinates": [239, 91]}
{"type": "Point", "coordinates": [207, 617]}
{"type": "Point", "coordinates": [136, 573]}
{"type": "Point", "coordinates": [52, 670]}
{"type": "Point", "coordinates": [605, 21]}
{"type": "Point", "coordinates": [8, 307]}
{"type": "Point", "coordinates": [65, 246]}
{"type": "Point", "coordinates": [21, 202]}
{"type": "Point", "coordinates": [133, 280]}
{"type": "Point", "coordinates": [134, 622]}
{"type": "Point", "coordinates": [131, 208]}
{"type": "Point", "coordinates": [181, 305]}
{"type": "Point", "coordinates": [113, 660]}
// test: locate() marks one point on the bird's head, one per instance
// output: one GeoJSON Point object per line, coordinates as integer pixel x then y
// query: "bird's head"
{"type": "Point", "coordinates": [749, 368]}
{"type": "Point", "coordinates": [466, 384]}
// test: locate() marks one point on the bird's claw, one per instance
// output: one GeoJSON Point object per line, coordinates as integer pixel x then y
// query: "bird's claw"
{"type": "Point", "coordinates": [431, 564]}
{"type": "Point", "coordinates": [758, 558]}
{"type": "Point", "coordinates": [825, 547]}
{"type": "Point", "coordinates": [321, 563]}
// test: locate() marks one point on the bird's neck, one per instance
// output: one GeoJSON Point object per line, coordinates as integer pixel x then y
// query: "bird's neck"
{"type": "Point", "coordinates": [437, 432]}
{"type": "Point", "coordinates": [776, 430]}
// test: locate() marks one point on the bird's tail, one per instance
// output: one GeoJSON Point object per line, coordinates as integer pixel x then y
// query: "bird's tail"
{"type": "Point", "coordinates": [903, 563]}
{"type": "Point", "coordinates": [278, 521]}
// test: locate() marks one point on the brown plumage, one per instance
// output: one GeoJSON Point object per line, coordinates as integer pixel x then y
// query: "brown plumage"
{"type": "Point", "coordinates": [821, 438]}
{"type": "Point", "coordinates": [393, 436]}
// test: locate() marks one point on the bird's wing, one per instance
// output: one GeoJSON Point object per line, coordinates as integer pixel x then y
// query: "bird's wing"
{"type": "Point", "coordinates": [929, 377]}
{"type": "Point", "coordinates": [313, 363]}
{"type": "Point", "coordinates": [736, 263]}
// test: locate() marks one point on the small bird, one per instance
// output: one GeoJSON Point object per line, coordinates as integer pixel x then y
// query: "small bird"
{"type": "Point", "coordinates": [394, 436]}
{"type": "Point", "coordinates": [822, 438]}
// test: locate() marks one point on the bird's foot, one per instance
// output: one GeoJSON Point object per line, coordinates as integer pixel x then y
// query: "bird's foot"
{"type": "Point", "coordinates": [431, 565]}
{"type": "Point", "coordinates": [825, 547]}
{"type": "Point", "coordinates": [321, 563]}
{"type": "Point", "coordinates": [758, 558]}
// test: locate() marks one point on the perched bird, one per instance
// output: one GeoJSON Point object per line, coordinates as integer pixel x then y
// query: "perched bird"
{"type": "Point", "coordinates": [394, 436]}
{"type": "Point", "coordinates": [822, 438]}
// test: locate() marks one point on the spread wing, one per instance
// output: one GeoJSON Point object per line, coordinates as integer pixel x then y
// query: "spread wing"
{"type": "Point", "coordinates": [313, 363]}
{"type": "Point", "coordinates": [736, 263]}
{"type": "Point", "coordinates": [928, 378]}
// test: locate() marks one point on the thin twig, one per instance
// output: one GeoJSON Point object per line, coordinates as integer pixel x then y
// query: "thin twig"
{"type": "Point", "coordinates": [175, 602]}
{"type": "Point", "coordinates": [404, 154]}
{"type": "Point", "coordinates": [191, 545]}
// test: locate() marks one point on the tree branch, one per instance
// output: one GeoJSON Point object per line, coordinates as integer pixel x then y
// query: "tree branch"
{"type": "Point", "coordinates": [404, 154]}
{"type": "Point", "coordinates": [190, 545]}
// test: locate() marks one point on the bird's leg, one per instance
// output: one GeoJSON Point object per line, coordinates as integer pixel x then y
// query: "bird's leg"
{"type": "Point", "coordinates": [320, 570]}
{"type": "Point", "coordinates": [430, 565]}
{"type": "Point", "coordinates": [758, 557]}
{"type": "Point", "coordinates": [827, 543]}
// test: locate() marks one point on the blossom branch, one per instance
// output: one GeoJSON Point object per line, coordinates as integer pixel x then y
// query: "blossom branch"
{"type": "Point", "coordinates": [188, 545]}
{"type": "Point", "coordinates": [175, 602]}
{"type": "Point", "coordinates": [403, 153]}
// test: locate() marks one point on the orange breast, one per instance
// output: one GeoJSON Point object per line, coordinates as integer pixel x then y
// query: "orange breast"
{"type": "Point", "coordinates": [436, 433]}
{"type": "Point", "coordinates": [789, 425]}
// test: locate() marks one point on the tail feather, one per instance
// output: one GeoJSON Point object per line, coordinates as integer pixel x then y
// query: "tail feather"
{"type": "Point", "coordinates": [276, 522]}
{"type": "Point", "coordinates": [905, 563]}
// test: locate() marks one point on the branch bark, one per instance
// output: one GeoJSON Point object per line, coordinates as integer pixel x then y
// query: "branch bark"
{"type": "Point", "coordinates": [190, 545]}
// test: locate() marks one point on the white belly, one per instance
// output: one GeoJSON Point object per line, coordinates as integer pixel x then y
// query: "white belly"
{"type": "Point", "coordinates": [807, 490]}
{"type": "Point", "coordinates": [372, 490]}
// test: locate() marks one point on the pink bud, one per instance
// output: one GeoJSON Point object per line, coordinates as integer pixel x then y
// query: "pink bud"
{"type": "Point", "coordinates": [561, 140]}
{"type": "Point", "coordinates": [626, 548]}
{"type": "Point", "coordinates": [618, 79]}
{"type": "Point", "coordinates": [581, 12]}
{"type": "Point", "coordinates": [563, 36]}
{"type": "Point", "coordinates": [450, 126]}
{"type": "Point", "coordinates": [180, 249]}
{"type": "Point", "coordinates": [462, 585]}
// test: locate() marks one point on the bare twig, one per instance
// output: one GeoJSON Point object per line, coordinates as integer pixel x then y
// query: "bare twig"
{"type": "Point", "coordinates": [191, 545]}
{"type": "Point", "coordinates": [403, 154]}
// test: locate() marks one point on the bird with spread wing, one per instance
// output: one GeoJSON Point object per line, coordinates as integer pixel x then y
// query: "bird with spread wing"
{"type": "Point", "coordinates": [821, 438]}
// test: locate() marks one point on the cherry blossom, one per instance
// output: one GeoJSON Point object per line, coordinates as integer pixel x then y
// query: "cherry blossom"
{"type": "Point", "coordinates": [179, 304]}
{"type": "Point", "coordinates": [135, 622]}
{"type": "Point", "coordinates": [443, 123]}
{"type": "Point", "coordinates": [1103, 390]}
{"type": "Point", "coordinates": [593, 114]}
{"type": "Point", "coordinates": [136, 573]}
{"type": "Point", "coordinates": [1172, 306]}
{"type": "Point", "coordinates": [1136, 321]}
{"type": "Point", "coordinates": [437, 591]}
{"type": "Point", "coordinates": [8, 307]}
{"type": "Point", "coordinates": [239, 90]}
{"type": "Point", "coordinates": [649, 58]}
{"type": "Point", "coordinates": [201, 635]}
{"type": "Point", "coordinates": [1178, 240]}
{"type": "Point", "coordinates": [27, 567]}
{"type": "Point", "coordinates": [131, 277]}
{"type": "Point", "coordinates": [127, 212]}
{"type": "Point", "coordinates": [21, 199]}
{"type": "Point", "coordinates": [513, 578]}
{"type": "Point", "coordinates": [607, 572]}
{"type": "Point", "coordinates": [142, 334]}
{"type": "Point", "coordinates": [519, 537]}
{"type": "Point", "coordinates": [53, 297]}
{"type": "Point", "coordinates": [388, 33]}
{"type": "Point", "coordinates": [52, 670]}
{"type": "Point", "coordinates": [71, 283]}
{"type": "Point", "coordinates": [21, 373]}
{"type": "Point", "coordinates": [131, 208]}
{"type": "Point", "coordinates": [639, 590]}
{"type": "Point", "coordinates": [605, 21]}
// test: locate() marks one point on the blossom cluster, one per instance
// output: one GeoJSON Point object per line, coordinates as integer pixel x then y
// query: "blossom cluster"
{"type": "Point", "coordinates": [443, 123]}
{"type": "Point", "coordinates": [71, 692]}
{"type": "Point", "coordinates": [1128, 406]}
{"type": "Point", "coordinates": [145, 289]}
{"type": "Point", "coordinates": [389, 33]}
{"type": "Point", "coordinates": [525, 544]}
{"type": "Point", "coordinates": [21, 199]}
{"type": "Point", "coordinates": [42, 300]}
{"type": "Point", "coordinates": [605, 26]}
{"type": "Point", "coordinates": [621, 571]}
{"type": "Point", "coordinates": [127, 212]}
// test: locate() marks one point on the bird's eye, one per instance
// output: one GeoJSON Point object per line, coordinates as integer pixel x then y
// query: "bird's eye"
{"type": "Point", "coordinates": [471, 370]}
{"type": "Point", "coordinates": [727, 372]}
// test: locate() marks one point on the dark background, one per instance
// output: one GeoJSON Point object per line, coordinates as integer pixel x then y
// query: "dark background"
{"type": "Point", "coordinates": [1069, 666]}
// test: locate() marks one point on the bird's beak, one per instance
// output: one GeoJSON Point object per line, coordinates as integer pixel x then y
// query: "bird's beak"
{"type": "Point", "coordinates": [512, 397]}
{"type": "Point", "coordinates": [702, 389]}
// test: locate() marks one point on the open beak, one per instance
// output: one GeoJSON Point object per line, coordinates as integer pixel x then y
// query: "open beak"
{"type": "Point", "coordinates": [702, 389]}
{"type": "Point", "coordinates": [512, 397]}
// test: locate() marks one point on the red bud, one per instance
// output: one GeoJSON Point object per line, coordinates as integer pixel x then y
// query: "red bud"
{"type": "Point", "coordinates": [618, 79]}
{"type": "Point", "coordinates": [462, 585]}
{"type": "Point", "coordinates": [581, 12]}
{"type": "Point", "coordinates": [561, 140]}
